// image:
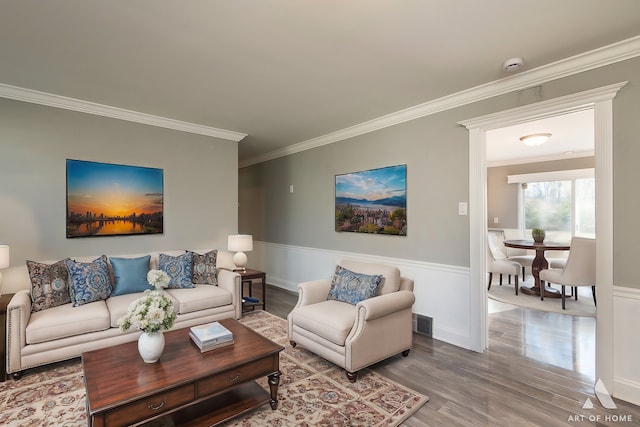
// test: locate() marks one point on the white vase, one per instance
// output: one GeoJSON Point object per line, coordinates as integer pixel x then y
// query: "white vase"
{"type": "Point", "coordinates": [151, 346]}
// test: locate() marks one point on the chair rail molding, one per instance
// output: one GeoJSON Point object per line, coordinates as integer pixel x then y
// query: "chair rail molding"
{"type": "Point", "coordinates": [439, 289]}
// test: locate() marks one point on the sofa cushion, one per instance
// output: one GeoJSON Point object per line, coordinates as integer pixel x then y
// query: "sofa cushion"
{"type": "Point", "coordinates": [391, 275]}
{"type": "Point", "coordinates": [64, 321]}
{"type": "Point", "coordinates": [332, 320]}
{"type": "Point", "coordinates": [119, 306]}
{"type": "Point", "coordinates": [348, 286]}
{"type": "Point", "coordinates": [130, 275]}
{"type": "Point", "coordinates": [49, 284]}
{"type": "Point", "coordinates": [90, 281]}
{"type": "Point", "coordinates": [204, 268]}
{"type": "Point", "coordinates": [199, 298]}
{"type": "Point", "coordinates": [178, 268]}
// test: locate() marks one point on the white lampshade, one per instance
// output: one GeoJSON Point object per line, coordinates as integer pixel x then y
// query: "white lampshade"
{"type": "Point", "coordinates": [4, 256]}
{"type": "Point", "coordinates": [240, 243]}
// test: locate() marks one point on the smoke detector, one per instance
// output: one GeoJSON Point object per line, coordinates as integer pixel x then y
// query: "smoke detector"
{"type": "Point", "coordinates": [512, 64]}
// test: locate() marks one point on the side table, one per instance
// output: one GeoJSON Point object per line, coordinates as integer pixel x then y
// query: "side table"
{"type": "Point", "coordinates": [249, 276]}
{"type": "Point", "coordinates": [4, 302]}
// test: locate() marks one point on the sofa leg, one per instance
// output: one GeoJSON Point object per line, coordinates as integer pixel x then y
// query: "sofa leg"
{"type": "Point", "coordinates": [16, 375]}
{"type": "Point", "coordinates": [406, 352]}
{"type": "Point", "coordinates": [352, 376]}
{"type": "Point", "coordinates": [293, 343]}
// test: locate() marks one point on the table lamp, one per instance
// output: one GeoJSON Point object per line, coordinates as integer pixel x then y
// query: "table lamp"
{"type": "Point", "coordinates": [240, 243]}
{"type": "Point", "coordinates": [4, 261]}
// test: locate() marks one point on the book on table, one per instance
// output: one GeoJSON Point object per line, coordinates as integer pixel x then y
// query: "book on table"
{"type": "Point", "coordinates": [208, 347]}
{"type": "Point", "coordinates": [211, 335]}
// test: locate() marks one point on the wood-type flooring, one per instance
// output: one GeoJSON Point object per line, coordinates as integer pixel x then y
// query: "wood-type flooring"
{"type": "Point", "coordinates": [538, 371]}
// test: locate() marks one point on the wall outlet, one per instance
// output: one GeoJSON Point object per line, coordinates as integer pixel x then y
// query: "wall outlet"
{"type": "Point", "coordinates": [495, 220]}
{"type": "Point", "coordinates": [462, 208]}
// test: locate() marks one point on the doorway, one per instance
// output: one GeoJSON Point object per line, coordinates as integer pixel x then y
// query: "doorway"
{"type": "Point", "coordinates": [601, 100]}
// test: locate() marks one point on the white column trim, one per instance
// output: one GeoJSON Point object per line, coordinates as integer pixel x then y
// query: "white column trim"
{"type": "Point", "coordinates": [600, 100]}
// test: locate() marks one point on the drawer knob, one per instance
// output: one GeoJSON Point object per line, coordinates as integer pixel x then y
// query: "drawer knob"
{"type": "Point", "coordinates": [236, 378]}
{"type": "Point", "coordinates": [156, 407]}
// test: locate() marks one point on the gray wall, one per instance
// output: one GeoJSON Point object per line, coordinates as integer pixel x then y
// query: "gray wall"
{"type": "Point", "coordinates": [435, 150]}
{"type": "Point", "coordinates": [502, 198]}
{"type": "Point", "coordinates": [200, 181]}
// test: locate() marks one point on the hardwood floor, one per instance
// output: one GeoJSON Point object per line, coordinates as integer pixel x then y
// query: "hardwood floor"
{"type": "Point", "coordinates": [538, 371]}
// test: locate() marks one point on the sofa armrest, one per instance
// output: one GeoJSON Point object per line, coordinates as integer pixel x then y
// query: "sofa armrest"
{"type": "Point", "coordinates": [230, 281]}
{"type": "Point", "coordinates": [18, 313]}
{"type": "Point", "coordinates": [313, 292]}
{"type": "Point", "coordinates": [383, 305]}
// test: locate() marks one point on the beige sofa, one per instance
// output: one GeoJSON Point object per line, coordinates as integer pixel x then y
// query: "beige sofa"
{"type": "Point", "coordinates": [65, 332]}
{"type": "Point", "coordinates": [355, 336]}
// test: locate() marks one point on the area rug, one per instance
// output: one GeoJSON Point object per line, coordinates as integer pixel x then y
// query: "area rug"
{"type": "Point", "coordinates": [583, 307]}
{"type": "Point", "coordinates": [312, 392]}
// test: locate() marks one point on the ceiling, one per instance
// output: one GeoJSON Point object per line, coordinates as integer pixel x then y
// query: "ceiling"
{"type": "Point", "coordinates": [286, 72]}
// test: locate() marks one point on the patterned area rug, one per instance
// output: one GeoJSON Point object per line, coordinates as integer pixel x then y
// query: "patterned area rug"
{"type": "Point", "coordinates": [312, 392]}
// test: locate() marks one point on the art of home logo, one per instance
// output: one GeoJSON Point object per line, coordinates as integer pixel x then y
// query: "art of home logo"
{"type": "Point", "coordinates": [606, 401]}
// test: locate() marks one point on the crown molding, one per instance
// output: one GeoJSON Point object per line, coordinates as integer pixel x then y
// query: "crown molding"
{"type": "Point", "coordinates": [611, 54]}
{"type": "Point", "coordinates": [58, 101]}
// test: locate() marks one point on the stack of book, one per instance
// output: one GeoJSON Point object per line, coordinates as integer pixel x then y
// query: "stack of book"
{"type": "Point", "coordinates": [210, 336]}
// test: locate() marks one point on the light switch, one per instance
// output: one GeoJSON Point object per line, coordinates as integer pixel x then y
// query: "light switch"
{"type": "Point", "coordinates": [462, 208]}
{"type": "Point", "coordinates": [495, 220]}
{"type": "Point", "coordinates": [291, 188]}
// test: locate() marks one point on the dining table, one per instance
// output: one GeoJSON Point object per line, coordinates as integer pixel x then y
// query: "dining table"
{"type": "Point", "coordinates": [539, 263]}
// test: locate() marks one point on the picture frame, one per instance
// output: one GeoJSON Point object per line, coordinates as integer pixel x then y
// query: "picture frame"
{"type": "Point", "coordinates": [373, 201]}
{"type": "Point", "coordinates": [105, 199]}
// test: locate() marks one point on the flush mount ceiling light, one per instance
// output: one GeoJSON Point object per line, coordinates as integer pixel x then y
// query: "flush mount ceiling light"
{"type": "Point", "coordinates": [535, 139]}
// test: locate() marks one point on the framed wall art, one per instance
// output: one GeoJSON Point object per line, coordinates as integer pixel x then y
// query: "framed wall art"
{"type": "Point", "coordinates": [112, 200]}
{"type": "Point", "coordinates": [372, 201]}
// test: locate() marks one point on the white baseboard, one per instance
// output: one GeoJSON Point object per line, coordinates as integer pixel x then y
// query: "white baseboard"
{"type": "Point", "coordinates": [442, 291]}
{"type": "Point", "coordinates": [626, 344]}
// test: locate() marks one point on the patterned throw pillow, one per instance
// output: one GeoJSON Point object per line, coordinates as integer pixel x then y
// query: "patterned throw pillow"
{"type": "Point", "coordinates": [90, 281]}
{"type": "Point", "coordinates": [178, 268]}
{"type": "Point", "coordinates": [350, 287]}
{"type": "Point", "coordinates": [204, 268]}
{"type": "Point", "coordinates": [49, 284]}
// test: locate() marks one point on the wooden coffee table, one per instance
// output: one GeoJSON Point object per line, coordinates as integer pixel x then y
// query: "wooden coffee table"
{"type": "Point", "coordinates": [187, 387]}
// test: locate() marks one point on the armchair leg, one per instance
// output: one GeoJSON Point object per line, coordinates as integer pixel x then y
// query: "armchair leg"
{"type": "Point", "coordinates": [562, 292]}
{"type": "Point", "coordinates": [523, 273]}
{"type": "Point", "coordinates": [490, 277]}
{"type": "Point", "coordinates": [593, 291]}
{"type": "Point", "coordinates": [293, 343]}
{"type": "Point", "coordinates": [352, 376]}
{"type": "Point", "coordinates": [406, 352]}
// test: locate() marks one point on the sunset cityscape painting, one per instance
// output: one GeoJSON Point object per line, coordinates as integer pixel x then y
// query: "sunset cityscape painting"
{"type": "Point", "coordinates": [373, 201]}
{"type": "Point", "coordinates": [108, 200]}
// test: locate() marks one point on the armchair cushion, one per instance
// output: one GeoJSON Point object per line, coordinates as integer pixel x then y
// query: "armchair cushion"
{"type": "Point", "coordinates": [351, 287]}
{"type": "Point", "coordinates": [331, 320]}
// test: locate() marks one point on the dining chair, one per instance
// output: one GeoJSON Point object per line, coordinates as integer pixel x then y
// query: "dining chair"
{"type": "Point", "coordinates": [580, 269]}
{"type": "Point", "coordinates": [497, 261]}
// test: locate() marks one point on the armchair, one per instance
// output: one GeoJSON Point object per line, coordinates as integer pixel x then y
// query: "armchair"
{"type": "Point", "coordinates": [355, 336]}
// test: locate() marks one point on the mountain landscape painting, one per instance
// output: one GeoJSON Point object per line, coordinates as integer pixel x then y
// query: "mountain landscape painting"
{"type": "Point", "coordinates": [373, 201]}
{"type": "Point", "coordinates": [109, 200]}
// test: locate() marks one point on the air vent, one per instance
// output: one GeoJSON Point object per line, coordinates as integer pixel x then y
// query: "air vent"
{"type": "Point", "coordinates": [424, 325]}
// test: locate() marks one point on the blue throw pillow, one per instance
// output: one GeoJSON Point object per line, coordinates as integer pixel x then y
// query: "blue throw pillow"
{"type": "Point", "coordinates": [130, 275]}
{"type": "Point", "coordinates": [178, 268]}
{"type": "Point", "coordinates": [90, 281]}
{"type": "Point", "coordinates": [351, 287]}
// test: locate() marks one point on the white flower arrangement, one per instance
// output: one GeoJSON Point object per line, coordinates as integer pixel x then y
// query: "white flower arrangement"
{"type": "Point", "coordinates": [153, 312]}
{"type": "Point", "coordinates": [158, 279]}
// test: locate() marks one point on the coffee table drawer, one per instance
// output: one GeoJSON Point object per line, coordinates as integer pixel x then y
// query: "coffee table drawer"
{"type": "Point", "coordinates": [150, 406]}
{"type": "Point", "coordinates": [256, 369]}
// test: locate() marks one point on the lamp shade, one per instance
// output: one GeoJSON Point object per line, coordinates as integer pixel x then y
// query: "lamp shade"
{"type": "Point", "coordinates": [4, 256]}
{"type": "Point", "coordinates": [240, 243]}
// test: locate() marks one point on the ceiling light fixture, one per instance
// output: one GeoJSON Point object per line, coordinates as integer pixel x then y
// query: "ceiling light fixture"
{"type": "Point", "coordinates": [535, 139]}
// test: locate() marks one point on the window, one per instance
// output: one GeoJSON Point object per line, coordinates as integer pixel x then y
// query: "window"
{"type": "Point", "coordinates": [561, 203]}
